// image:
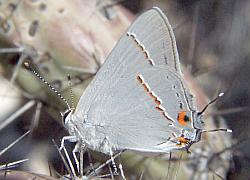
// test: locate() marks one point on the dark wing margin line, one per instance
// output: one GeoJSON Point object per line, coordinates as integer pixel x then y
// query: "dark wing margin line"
{"type": "Point", "coordinates": [172, 37]}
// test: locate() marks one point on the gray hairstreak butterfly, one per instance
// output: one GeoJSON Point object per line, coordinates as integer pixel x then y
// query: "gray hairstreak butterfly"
{"type": "Point", "coordinates": [138, 100]}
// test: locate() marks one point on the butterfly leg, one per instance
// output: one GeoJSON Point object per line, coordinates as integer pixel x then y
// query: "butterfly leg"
{"type": "Point", "coordinates": [107, 146]}
{"type": "Point", "coordinates": [75, 150]}
{"type": "Point", "coordinates": [79, 147]}
{"type": "Point", "coordinates": [69, 160]}
{"type": "Point", "coordinates": [67, 138]}
{"type": "Point", "coordinates": [82, 149]}
{"type": "Point", "coordinates": [71, 139]}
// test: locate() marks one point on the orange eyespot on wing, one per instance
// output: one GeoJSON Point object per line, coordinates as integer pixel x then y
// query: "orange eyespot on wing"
{"type": "Point", "coordinates": [183, 118]}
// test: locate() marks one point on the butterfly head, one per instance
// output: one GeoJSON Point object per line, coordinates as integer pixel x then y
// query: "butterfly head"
{"type": "Point", "coordinates": [67, 118]}
{"type": "Point", "coordinates": [198, 122]}
{"type": "Point", "coordinates": [192, 134]}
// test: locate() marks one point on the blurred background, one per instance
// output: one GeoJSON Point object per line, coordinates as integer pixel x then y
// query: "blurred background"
{"type": "Point", "coordinates": [74, 37]}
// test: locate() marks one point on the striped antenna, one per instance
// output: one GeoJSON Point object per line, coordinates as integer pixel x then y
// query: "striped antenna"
{"type": "Point", "coordinates": [211, 102]}
{"type": "Point", "coordinates": [27, 65]}
{"type": "Point", "coordinates": [221, 129]}
{"type": "Point", "coordinates": [71, 93]}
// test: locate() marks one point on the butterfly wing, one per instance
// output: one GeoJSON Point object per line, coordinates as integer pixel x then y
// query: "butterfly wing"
{"type": "Point", "coordinates": [133, 101]}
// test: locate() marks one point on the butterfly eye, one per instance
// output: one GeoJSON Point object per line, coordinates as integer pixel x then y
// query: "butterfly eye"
{"type": "Point", "coordinates": [65, 115]}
